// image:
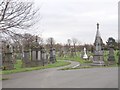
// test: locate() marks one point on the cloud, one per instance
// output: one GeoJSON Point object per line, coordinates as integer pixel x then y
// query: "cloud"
{"type": "Point", "coordinates": [63, 19]}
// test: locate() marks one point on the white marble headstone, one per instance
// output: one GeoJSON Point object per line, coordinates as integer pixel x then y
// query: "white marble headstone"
{"type": "Point", "coordinates": [85, 54]}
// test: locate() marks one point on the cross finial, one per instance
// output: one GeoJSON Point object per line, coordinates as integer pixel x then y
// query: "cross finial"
{"type": "Point", "coordinates": [97, 26]}
{"type": "Point", "coordinates": [36, 38]}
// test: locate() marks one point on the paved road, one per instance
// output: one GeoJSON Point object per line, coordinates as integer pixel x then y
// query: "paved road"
{"type": "Point", "coordinates": [54, 78]}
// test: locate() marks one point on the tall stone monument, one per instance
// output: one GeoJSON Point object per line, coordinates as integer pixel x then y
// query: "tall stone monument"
{"type": "Point", "coordinates": [52, 55]}
{"type": "Point", "coordinates": [98, 58]}
{"type": "Point", "coordinates": [52, 52]}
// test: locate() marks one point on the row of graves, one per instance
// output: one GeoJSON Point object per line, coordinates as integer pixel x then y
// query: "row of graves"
{"type": "Point", "coordinates": [31, 57]}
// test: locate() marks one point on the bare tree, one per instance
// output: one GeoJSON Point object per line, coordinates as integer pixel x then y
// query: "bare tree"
{"type": "Point", "coordinates": [79, 45]}
{"type": "Point", "coordinates": [69, 42]}
{"type": "Point", "coordinates": [40, 40]}
{"type": "Point", "coordinates": [75, 41]}
{"type": "Point", "coordinates": [50, 41]}
{"type": "Point", "coordinates": [29, 40]}
{"type": "Point", "coordinates": [15, 14]}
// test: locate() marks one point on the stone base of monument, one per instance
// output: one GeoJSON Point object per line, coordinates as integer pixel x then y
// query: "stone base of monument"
{"type": "Point", "coordinates": [33, 64]}
{"type": "Point", "coordinates": [8, 65]}
{"type": "Point", "coordinates": [111, 60]}
{"type": "Point", "coordinates": [46, 61]}
{"type": "Point", "coordinates": [98, 63]}
{"type": "Point", "coordinates": [37, 63]}
{"type": "Point", "coordinates": [26, 64]}
{"type": "Point", "coordinates": [111, 63]}
{"type": "Point", "coordinates": [52, 60]}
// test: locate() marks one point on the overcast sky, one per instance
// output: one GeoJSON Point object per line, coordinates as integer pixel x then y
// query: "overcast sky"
{"type": "Point", "coordinates": [66, 19]}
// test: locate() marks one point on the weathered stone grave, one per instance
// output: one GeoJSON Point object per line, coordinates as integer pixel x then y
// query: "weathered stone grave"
{"type": "Point", "coordinates": [52, 55]}
{"type": "Point", "coordinates": [26, 59]}
{"type": "Point", "coordinates": [34, 56]}
{"type": "Point", "coordinates": [7, 59]}
{"type": "Point", "coordinates": [111, 57]}
{"type": "Point", "coordinates": [45, 56]}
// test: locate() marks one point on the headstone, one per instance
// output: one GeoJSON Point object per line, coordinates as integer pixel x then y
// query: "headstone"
{"type": "Point", "coordinates": [52, 55]}
{"type": "Point", "coordinates": [85, 56]}
{"type": "Point", "coordinates": [7, 58]}
{"type": "Point", "coordinates": [47, 57]}
{"type": "Point", "coordinates": [111, 57]}
{"type": "Point", "coordinates": [26, 59]}
{"type": "Point", "coordinates": [91, 58]}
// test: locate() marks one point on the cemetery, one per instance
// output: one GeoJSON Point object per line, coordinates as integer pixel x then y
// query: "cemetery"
{"type": "Point", "coordinates": [100, 56]}
{"type": "Point", "coordinates": [59, 47]}
{"type": "Point", "coordinates": [34, 55]}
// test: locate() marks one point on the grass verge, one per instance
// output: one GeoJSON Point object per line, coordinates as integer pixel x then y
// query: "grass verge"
{"type": "Point", "coordinates": [75, 58]}
{"type": "Point", "coordinates": [86, 67]}
{"type": "Point", "coordinates": [19, 69]}
{"type": "Point", "coordinates": [83, 67]}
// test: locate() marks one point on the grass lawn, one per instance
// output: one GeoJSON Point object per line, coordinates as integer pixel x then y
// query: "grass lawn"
{"type": "Point", "coordinates": [18, 67]}
{"type": "Point", "coordinates": [75, 58]}
{"type": "Point", "coordinates": [80, 60]}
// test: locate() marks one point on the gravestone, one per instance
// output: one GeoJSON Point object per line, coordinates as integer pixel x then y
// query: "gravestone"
{"type": "Point", "coordinates": [42, 56]}
{"type": "Point", "coordinates": [91, 58]}
{"type": "Point", "coordinates": [45, 57]}
{"type": "Point", "coordinates": [98, 58]}
{"type": "Point", "coordinates": [26, 54]}
{"type": "Point", "coordinates": [26, 59]}
{"type": "Point", "coordinates": [39, 56]}
{"type": "Point", "coordinates": [52, 55]}
{"type": "Point", "coordinates": [72, 52]}
{"type": "Point", "coordinates": [82, 53]}
{"type": "Point", "coordinates": [111, 57]}
{"type": "Point", "coordinates": [85, 56]}
{"type": "Point", "coordinates": [7, 60]}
